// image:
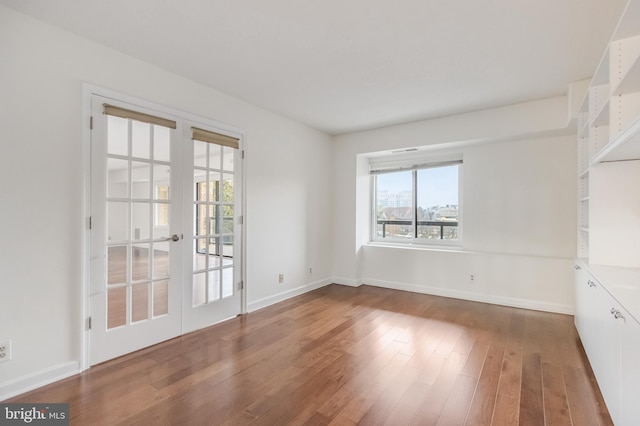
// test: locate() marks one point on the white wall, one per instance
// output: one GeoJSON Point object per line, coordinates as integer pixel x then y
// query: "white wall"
{"type": "Point", "coordinates": [288, 195]}
{"type": "Point", "coordinates": [519, 209]}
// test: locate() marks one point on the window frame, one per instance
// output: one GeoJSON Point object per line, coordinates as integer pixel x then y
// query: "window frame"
{"type": "Point", "coordinates": [414, 166]}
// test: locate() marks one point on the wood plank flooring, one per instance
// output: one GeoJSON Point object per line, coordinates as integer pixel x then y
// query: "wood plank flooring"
{"type": "Point", "coordinates": [346, 356]}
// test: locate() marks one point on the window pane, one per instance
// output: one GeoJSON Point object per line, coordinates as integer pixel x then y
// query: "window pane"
{"type": "Point", "coordinates": [394, 200]}
{"type": "Point", "coordinates": [437, 203]}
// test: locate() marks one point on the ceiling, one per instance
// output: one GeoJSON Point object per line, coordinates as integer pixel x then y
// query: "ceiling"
{"type": "Point", "coordinates": [347, 65]}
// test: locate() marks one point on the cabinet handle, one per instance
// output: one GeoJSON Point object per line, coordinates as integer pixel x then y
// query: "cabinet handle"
{"type": "Point", "coordinates": [578, 267]}
{"type": "Point", "coordinates": [591, 283]}
{"type": "Point", "coordinates": [618, 315]}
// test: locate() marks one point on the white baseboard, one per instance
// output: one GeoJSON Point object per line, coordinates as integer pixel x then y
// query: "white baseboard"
{"type": "Point", "coordinates": [535, 305]}
{"type": "Point", "coordinates": [346, 281]}
{"type": "Point", "coordinates": [268, 301]}
{"type": "Point", "coordinates": [38, 379]}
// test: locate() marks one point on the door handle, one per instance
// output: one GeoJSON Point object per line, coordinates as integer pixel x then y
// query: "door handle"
{"type": "Point", "coordinates": [174, 237]}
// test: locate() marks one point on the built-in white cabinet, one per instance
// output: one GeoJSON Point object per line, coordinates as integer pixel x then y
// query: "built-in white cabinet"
{"type": "Point", "coordinates": [630, 372]}
{"type": "Point", "coordinates": [611, 338]}
{"type": "Point", "coordinates": [607, 286]}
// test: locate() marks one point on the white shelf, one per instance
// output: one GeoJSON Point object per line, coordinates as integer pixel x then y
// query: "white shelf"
{"type": "Point", "coordinates": [602, 115]}
{"type": "Point", "coordinates": [625, 147]}
{"type": "Point", "coordinates": [599, 97]}
{"type": "Point", "coordinates": [630, 82]}
{"type": "Point", "coordinates": [601, 76]}
{"type": "Point", "coordinates": [584, 200]}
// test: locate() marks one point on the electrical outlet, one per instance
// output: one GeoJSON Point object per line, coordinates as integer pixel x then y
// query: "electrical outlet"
{"type": "Point", "coordinates": [5, 350]}
{"type": "Point", "coordinates": [472, 278]}
{"type": "Point", "coordinates": [280, 278]}
{"type": "Point", "coordinates": [310, 270]}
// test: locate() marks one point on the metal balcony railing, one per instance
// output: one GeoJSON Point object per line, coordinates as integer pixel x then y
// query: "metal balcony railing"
{"type": "Point", "coordinates": [438, 223]}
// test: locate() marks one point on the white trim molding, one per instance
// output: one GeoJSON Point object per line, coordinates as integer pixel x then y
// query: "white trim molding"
{"type": "Point", "coordinates": [513, 302]}
{"type": "Point", "coordinates": [38, 379]}
{"type": "Point", "coordinates": [288, 294]}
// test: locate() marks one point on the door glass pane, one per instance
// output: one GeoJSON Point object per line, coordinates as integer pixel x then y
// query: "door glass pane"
{"type": "Point", "coordinates": [227, 188]}
{"type": "Point", "coordinates": [227, 248]}
{"type": "Point", "coordinates": [202, 221]}
{"type": "Point", "coordinates": [160, 298]}
{"type": "Point", "coordinates": [140, 262]}
{"type": "Point", "coordinates": [141, 221]}
{"type": "Point", "coordinates": [199, 176]}
{"type": "Point", "coordinates": [140, 180]}
{"type": "Point", "coordinates": [117, 265]}
{"type": "Point", "coordinates": [227, 219]}
{"type": "Point", "coordinates": [117, 221]}
{"type": "Point", "coordinates": [116, 307]}
{"type": "Point", "coordinates": [140, 139]}
{"type": "Point", "coordinates": [117, 135]}
{"type": "Point", "coordinates": [214, 251]}
{"type": "Point", "coordinates": [199, 254]}
{"type": "Point", "coordinates": [161, 259]}
{"type": "Point", "coordinates": [140, 302]}
{"type": "Point", "coordinates": [212, 218]}
{"type": "Point", "coordinates": [161, 177]}
{"type": "Point", "coordinates": [161, 143]}
{"type": "Point", "coordinates": [213, 286]}
{"type": "Point", "coordinates": [228, 158]}
{"type": "Point", "coordinates": [214, 186]}
{"type": "Point", "coordinates": [215, 152]}
{"type": "Point", "coordinates": [199, 288]}
{"type": "Point", "coordinates": [117, 178]}
{"type": "Point", "coordinates": [227, 282]}
{"type": "Point", "coordinates": [200, 153]}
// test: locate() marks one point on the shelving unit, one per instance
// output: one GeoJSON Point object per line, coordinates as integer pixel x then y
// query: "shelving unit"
{"type": "Point", "coordinates": [608, 267]}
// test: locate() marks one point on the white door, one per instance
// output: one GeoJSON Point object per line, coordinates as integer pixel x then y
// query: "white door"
{"type": "Point", "coordinates": [165, 229]}
{"type": "Point", "coordinates": [213, 247]}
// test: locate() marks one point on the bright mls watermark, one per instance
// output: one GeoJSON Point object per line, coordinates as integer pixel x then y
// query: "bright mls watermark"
{"type": "Point", "coordinates": [34, 414]}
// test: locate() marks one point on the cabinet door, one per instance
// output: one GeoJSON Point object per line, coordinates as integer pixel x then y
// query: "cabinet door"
{"type": "Point", "coordinates": [606, 363]}
{"type": "Point", "coordinates": [586, 317]}
{"type": "Point", "coordinates": [630, 371]}
{"type": "Point", "coordinates": [600, 335]}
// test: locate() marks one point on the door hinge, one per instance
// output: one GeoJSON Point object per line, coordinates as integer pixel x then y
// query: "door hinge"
{"type": "Point", "coordinates": [241, 220]}
{"type": "Point", "coordinates": [243, 154]}
{"type": "Point", "coordinates": [91, 122]}
{"type": "Point", "coordinates": [90, 222]}
{"type": "Point", "coordinates": [241, 285]}
{"type": "Point", "coordinates": [90, 322]}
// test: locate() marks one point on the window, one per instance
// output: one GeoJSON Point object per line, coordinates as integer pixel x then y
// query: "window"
{"type": "Point", "coordinates": [417, 203]}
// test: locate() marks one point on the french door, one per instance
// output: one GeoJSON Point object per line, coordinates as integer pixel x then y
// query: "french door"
{"type": "Point", "coordinates": [165, 230]}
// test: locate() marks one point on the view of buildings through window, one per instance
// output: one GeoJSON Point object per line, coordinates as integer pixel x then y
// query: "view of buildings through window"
{"type": "Point", "coordinates": [433, 215]}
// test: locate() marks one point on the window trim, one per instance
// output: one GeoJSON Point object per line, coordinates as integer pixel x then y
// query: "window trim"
{"type": "Point", "coordinates": [383, 167]}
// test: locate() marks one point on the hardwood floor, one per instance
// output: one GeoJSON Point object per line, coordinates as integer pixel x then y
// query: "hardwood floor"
{"type": "Point", "coordinates": [345, 356]}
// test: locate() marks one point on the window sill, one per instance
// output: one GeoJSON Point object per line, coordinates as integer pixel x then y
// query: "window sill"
{"type": "Point", "coordinates": [416, 246]}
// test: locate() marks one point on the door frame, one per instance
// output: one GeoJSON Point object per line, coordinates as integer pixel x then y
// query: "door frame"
{"type": "Point", "coordinates": [88, 90]}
